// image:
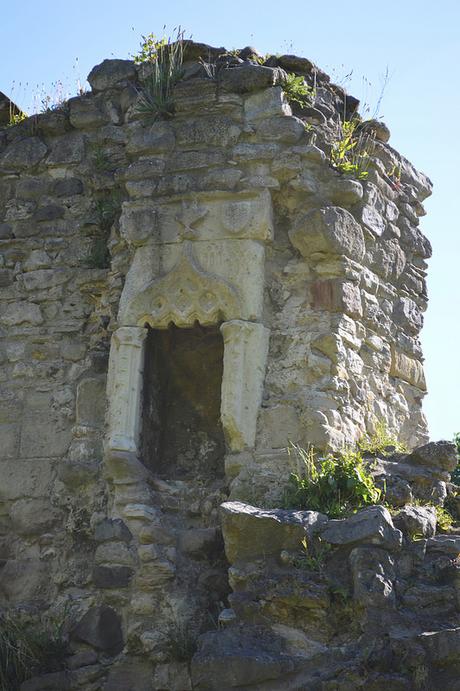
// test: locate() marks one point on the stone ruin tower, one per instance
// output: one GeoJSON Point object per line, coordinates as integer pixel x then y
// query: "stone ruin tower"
{"type": "Point", "coordinates": [179, 300]}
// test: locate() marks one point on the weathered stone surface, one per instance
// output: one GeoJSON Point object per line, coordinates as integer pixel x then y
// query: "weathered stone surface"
{"type": "Point", "coordinates": [91, 401]}
{"type": "Point", "coordinates": [449, 544]}
{"type": "Point", "coordinates": [287, 130]}
{"type": "Point", "coordinates": [250, 532]}
{"type": "Point", "coordinates": [110, 73]}
{"type": "Point", "coordinates": [24, 580]}
{"type": "Point", "coordinates": [112, 576]}
{"type": "Point", "coordinates": [33, 516]}
{"type": "Point", "coordinates": [373, 574]}
{"type": "Point", "coordinates": [407, 368]}
{"type": "Point", "coordinates": [440, 454]}
{"type": "Point", "coordinates": [18, 313]}
{"type": "Point", "coordinates": [441, 646]}
{"type": "Point", "coordinates": [156, 139]}
{"type": "Point", "coordinates": [100, 627]}
{"type": "Point", "coordinates": [200, 542]}
{"type": "Point", "coordinates": [68, 187]}
{"type": "Point", "coordinates": [331, 230]}
{"type": "Point", "coordinates": [372, 526]}
{"type": "Point", "coordinates": [416, 521]}
{"type": "Point", "coordinates": [248, 77]}
{"type": "Point", "coordinates": [135, 675]}
{"type": "Point", "coordinates": [54, 681]}
{"type": "Point", "coordinates": [114, 529]}
{"type": "Point", "coordinates": [233, 658]}
{"type": "Point", "coordinates": [174, 676]}
{"type": "Point", "coordinates": [22, 154]}
{"type": "Point", "coordinates": [66, 150]}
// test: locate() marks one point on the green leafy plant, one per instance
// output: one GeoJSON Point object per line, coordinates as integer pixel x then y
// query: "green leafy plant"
{"type": "Point", "coordinates": [313, 557]}
{"type": "Point", "coordinates": [394, 174]}
{"type": "Point", "coordinates": [455, 476]}
{"type": "Point", "coordinates": [335, 484]}
{"type": "Point", "coordinates": [351, 151]}
{"type": "Point", "coordinates": [164, 58]}
{"type": "Point", "coordinates": [107, 209]}
{"type": "Point", "coordinates": [298, 91]}
{"type": "Point", "coordinates": [100, 158]}
{"type": "Point", "coordinates": [381, 441]}
{"type": "Point", "coordinates": [16, 115]}
{"type": "Point", "coordinates": [27, 648]}
{"type": "Point", "coordinates": [444, 519]}
{"type": "Point", "coordinates": [150, 45]}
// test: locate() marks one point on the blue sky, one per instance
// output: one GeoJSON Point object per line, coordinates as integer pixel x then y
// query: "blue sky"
{"type": "Point", "coordinates": [43, 42]}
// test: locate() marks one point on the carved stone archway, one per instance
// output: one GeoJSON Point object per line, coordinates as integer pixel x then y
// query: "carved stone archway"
{"type": "Point", "coordinates": [185, 295]}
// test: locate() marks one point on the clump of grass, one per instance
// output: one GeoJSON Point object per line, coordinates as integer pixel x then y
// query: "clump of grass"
{"type": "Point", "coordinates": [381, 442]}
{"type": "Point", "coordinates": [181, 640]}
{"type": "Point", "coordinates": [165, 58]}
{"type": "Point", "coordinates": [352, 150]}
{"type": "Point", "coordinates": [297, 90]}
{"type": "Point", "coordinates": [455, 476]}
{"type": "Point", "coordinates": [444, 519]}
{"type": "Point", "coordinates": [312, 557]}
{"type": "Point", "coordinates": [26, 649]}
{"type": "Point", "coordinates": [107, 210]}
{"type": "Point", "coordinates": [101, 160]}
{"type": "Point", "coordinates": [336, 484]}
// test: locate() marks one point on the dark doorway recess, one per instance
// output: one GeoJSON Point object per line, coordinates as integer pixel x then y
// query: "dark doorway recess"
{"type": "Point", "coordinates": [182, 434]}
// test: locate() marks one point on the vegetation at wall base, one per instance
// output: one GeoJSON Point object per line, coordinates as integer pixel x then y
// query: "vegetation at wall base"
{"type": "Point", "coordinates": [381, 441]}
{"type": "Point", "coordinates": [336, 484]}
{"type": "Point", "coordinates": [27, 649]}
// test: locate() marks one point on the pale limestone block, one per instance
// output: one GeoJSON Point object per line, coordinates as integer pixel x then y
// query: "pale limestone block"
{"type": "Point", "coordinates": [330, 230]}
{"type": "Point", "coordinates": [91, 401]}
{"type": "Point", "coordinates": [44, 432]}
{"type": "Point", "coordinates": [245, 355]}
{"type": "Point", "coordinates": [278, 426]}
{"type": "Point", "coordinates": [16, 313]}
{"type": "Point", "coordinates": [266, 103]}
{"type": "Point", "coordinates": [408, 369]}
{"type": "Point", "coordinates": [186, 294]}
{"type": "Point", "coordinates": [208, 216]}
{"type": "Point", "coordinates": [206, 281]}
{"type": "Point", "coordinates": [124, 388]}
{"type": "Point", "coordinates": [25, 478]}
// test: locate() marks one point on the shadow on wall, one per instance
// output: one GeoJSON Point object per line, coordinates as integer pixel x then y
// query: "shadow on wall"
{"type": "Point", "coordinates": [182, 434]}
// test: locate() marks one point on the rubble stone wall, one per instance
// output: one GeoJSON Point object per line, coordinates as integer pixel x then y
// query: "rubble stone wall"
{"type": "Point", "coordinates": [229, 215]}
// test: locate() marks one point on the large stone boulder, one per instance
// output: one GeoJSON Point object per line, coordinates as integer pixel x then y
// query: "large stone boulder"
{"type": "Point", "coordinates": [100, 627]}
{"type": "Point", "coordinates": [416, 521]}
{"type": "Point", "coordinates": [436, 454]}
{"type": "Point", "coordinates": [372, 526]}
{"type": "Point", "coordinates": [250, 532]}
{"type": "Point", "coordinates": [237, 657]}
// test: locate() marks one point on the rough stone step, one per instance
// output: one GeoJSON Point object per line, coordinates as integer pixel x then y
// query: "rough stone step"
{"type": "Point", "coordinates": [448, 544]}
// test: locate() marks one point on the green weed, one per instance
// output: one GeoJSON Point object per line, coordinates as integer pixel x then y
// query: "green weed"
{"type": "Point", "coordinates": [165, 59]}
{"type": "Point", "coordinates": [351, 151]}
{"type": "Point", "coordinates": [336, 484]}
{"type": "Point", "coordinates": [27, 648]}
{"type": "Point", "coordinates": [297, 90]}
{"type": "Point", "coordinates": [381, 441]}
{"type": "Point", "coordinates": [455, 476]}
{"type": "Point", "coordinates": [313, 557]}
